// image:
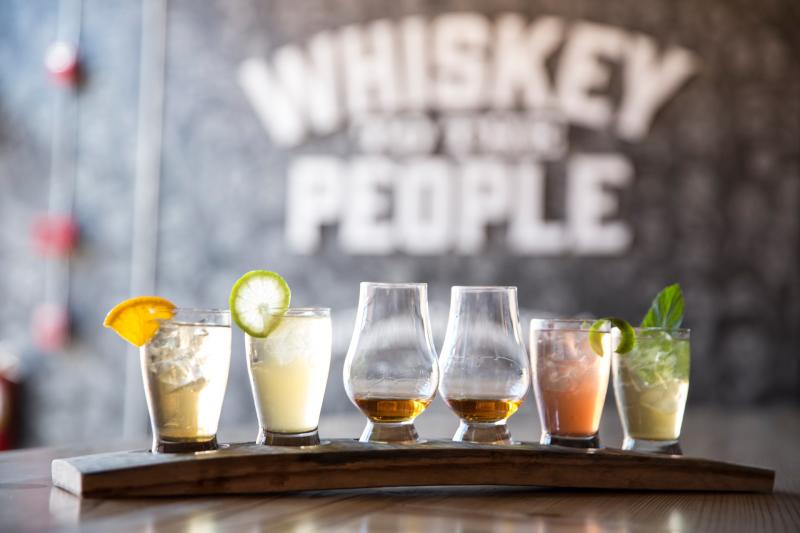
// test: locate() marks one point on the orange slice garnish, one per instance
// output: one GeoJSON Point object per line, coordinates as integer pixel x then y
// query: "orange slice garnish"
{"type": "Point", "coordinates": [137, 320]}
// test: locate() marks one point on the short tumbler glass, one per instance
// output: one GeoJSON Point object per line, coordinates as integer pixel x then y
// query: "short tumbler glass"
{"type": "Point", "coordinates": [651, 383]}
{"type": "Point", "coordinates": [570, 380]}
{"type": "Point", "coordinates": [288, 373]}
{"type": "Point", "coordinates": [185, 370]}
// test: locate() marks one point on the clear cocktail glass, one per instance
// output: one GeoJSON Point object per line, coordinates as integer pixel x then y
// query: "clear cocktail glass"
{"type": "Point", "coordinates": [484, 368]}
{"type": "Point", "coordinates": [651, 383]}
{"type": "Point", "coordinates": [570, 380]}
{"type": "Point", "coordinates": [185, 370]}
{"type": "Point", "coordinates": [288, 373]}
{"type": "Point", "coordinates": [390, 372]}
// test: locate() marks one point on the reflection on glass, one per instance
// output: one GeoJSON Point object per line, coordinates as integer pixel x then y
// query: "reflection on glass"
{"type": "Point", "coordinates": [484, 365]}
{"type": "Point", "coordinates": [390, 372]}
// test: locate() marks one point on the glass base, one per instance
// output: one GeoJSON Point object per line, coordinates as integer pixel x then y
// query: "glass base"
{"type": "Point", "coordinates": [270, 438]}
{"type": "Point", "coordinates": [183, 446]}
{"type": "Point", "coordinates": [486, 433]}
{"type": "Point", "coordinates": [591, 441]}
{"type": "Point", "coordinates": [401, 433]}
{"type": "Point", "coordinates": [669, 447]}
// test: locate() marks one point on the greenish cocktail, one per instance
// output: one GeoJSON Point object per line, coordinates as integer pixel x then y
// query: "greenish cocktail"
{"type": "Point", "coordinates": [651, 383]}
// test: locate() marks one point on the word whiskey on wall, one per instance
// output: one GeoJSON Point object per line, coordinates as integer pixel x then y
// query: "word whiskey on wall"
{"type": "Point", "coordinates": [458, 123]}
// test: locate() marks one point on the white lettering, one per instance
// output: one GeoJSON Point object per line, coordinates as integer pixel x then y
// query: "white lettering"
{"type": "Point", "coordinates": [415, 62]}
{"type": "Point", "coordinates": [588, 204]}
{"type": "Point", "coordinates": [484, 200]}
{"type": "Point", "coordinates": [369, 64]}
{"type": "Point", "coordinates": [460, 49]}
{"type": "Point", "coordinates": [312, 200]}
{"type": "Point", "coordinates": [520, 56]}
{"type": "Point", "coordinates": [529, 233]}
{"type": "Point", "coordinates": [582, 77]}
{"type": "Point", "coordinates": [300, 93]}
{"type": "Point", "coordinates": [423, 207]}
{"type": "Point", "coordinates": [365, 227]}
{"type": "Point", "coordinates": [648, 83]}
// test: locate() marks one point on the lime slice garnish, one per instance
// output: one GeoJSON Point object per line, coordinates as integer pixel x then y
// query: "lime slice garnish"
{"type": "Point", "coordinates": [254, 299]}
{"type": "Point", "coordinates": [627, 335]}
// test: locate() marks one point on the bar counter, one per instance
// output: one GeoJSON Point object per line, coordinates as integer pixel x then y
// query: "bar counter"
{"type": "Point", "coordinates": [767, 438]}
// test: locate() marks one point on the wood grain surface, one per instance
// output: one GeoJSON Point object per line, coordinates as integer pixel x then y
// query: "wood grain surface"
{"type": "Point", "coordinates": [769, 438]}
{"type": "Point", "coordinates": [349, 464]}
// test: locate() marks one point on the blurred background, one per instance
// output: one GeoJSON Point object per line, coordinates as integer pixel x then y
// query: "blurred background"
{"type": "Point", "coordinates": [588, 152]}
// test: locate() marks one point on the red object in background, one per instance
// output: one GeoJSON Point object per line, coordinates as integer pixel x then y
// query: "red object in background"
{"type": "Point", "coordinates": [9, 370]}
{"type": "Point", "coordinates": [55, 235]}
{"type": "Point", "coordinates": [50, 327]}
{"type": "Point", "coordinates": [62, 63]}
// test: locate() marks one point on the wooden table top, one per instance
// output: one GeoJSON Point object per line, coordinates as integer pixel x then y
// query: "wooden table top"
{"type": "Point", "coordinates": [763, 438]}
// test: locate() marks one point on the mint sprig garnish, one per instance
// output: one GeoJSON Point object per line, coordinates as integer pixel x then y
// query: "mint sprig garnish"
{"type": "Point", "coordinates": [666, 311]}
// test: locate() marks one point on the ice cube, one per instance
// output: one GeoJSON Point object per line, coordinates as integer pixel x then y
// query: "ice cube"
{"type": "Point", "coordinates": [662, 398]}
{"type": "Point", "coordinates": [570, 346]}
{"type": "Point", "coordinates": [176, 356]}
{"type": "Point", "coordinates": [179, 372]}
{"type": "Point", "coordinates": [165, 340]}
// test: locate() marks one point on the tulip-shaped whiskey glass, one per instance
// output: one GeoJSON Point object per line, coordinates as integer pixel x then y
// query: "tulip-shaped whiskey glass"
{"type": "Point", "coordinates": [484, 366]}
{"type": "Point", "coordinates": [390, 372]}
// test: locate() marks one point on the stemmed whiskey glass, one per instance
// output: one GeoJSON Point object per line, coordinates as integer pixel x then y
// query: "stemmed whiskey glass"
{"type": "Point", "coordinates": [390, 372]}
{"type": "Point", "coordinates": [484, 364]}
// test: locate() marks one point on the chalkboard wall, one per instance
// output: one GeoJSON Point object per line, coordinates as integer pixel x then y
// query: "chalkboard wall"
{"type": "Point", "coordinates": [344, 141]}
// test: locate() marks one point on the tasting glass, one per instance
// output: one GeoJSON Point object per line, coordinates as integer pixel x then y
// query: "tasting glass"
{"type": "Point", "coordinates": [651, 383]}
{"type": "Point", "coordinates": [288, 373]}
{"type": "Point", "coordinates": [185, 371]}
{"type": "Point", "coordinates": [390, 372]}
{"type": "Point", "coordinates": [483, 364]}
{"type": "Point", "coordinates": [570, 379]}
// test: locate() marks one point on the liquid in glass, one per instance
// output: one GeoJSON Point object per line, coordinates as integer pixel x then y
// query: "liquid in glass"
{"type": "Point", "coordinates": [288, 374]}
{"type": "Point", "coordinates": [570, 381]}
{"type": "Point", "coordinates": [185, 368]}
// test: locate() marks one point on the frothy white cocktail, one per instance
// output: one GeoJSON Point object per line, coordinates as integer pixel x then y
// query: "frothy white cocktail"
{"type": "Point", "coordinates": [289, 370]}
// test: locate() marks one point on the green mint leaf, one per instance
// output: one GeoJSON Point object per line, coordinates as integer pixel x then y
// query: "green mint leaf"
{"type": "Point", "coordinates": [666, 311]}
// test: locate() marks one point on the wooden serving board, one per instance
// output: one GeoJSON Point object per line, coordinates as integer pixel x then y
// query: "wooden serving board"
{"type": "Point", "coordinates": [347, 464]}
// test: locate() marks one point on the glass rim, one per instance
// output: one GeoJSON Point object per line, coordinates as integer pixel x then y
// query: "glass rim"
{"type": "Point", "coordinates": [682, 331]}
{"type": "Point", "coordinates": [569, 321]}
{"type": "Point", "coordinates": [660, 328]}
{"type": "Point", "coordinates": [209, 316]}
{"type": "Point", "coordinates": [484, 288]}
{"type": "Point", "coordinates": [390, 285]}
{"type": "Point", "coordinates": [300, 311]}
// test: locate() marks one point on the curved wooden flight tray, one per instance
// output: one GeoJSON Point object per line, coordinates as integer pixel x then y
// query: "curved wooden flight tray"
{"type": "Point", "coordinates": [346, 464]}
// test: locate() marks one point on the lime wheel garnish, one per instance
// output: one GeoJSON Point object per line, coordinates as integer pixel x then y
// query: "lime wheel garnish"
{"type": "Point", "coordinates": [256, 301]}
